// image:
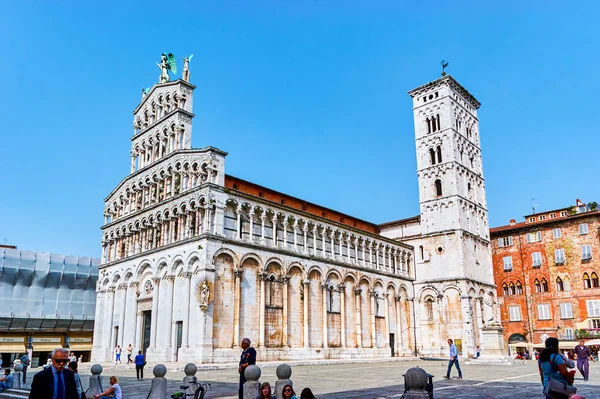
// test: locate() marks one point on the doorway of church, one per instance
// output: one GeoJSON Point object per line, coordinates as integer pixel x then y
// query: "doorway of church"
{"type": "Point", "coordinates": [146, 330]}
{"type": "Point", "coordinates": [392, 343]}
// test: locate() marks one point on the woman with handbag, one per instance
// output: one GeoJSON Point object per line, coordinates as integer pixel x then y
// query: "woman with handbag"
{"type": "Point", "coordinates": [73, 367]}
{"type": "Point", "coordinates": [556, 379]}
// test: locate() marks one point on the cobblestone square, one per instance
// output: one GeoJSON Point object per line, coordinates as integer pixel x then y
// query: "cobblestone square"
{"type": "Point", "coordinates": [367, 380]}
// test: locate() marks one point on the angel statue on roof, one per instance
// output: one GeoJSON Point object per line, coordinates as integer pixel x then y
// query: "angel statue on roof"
{"type": "Point", "coordinates": [167, 63]}
{"type": "Point", "coordinates": [185, 74]}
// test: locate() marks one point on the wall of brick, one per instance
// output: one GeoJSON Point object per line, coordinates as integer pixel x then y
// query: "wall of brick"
{"type": "Point", "coordinates": [571, 272]}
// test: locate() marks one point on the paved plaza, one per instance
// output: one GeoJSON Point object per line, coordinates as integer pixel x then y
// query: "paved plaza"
{"type": "Point", "coordinates": [366, 380]}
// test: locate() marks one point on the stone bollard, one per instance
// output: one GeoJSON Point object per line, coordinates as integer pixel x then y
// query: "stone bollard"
{"type": "Point", "coordinates": [95, 387]}
{"type": "Point", "coordinates": [415, 381]}
{"type": "Point", "coordinates": [18, 376]}
{"type": "Point", "coordinates": [190, 379]}
{"type": "Point", "coordinates": [284, 372]}
{"type": "Point", "coordinates": [252, 386]}
{"type": "Point", "coordinates": [158, 389]}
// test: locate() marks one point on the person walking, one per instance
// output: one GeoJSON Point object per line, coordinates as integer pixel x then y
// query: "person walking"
{"type": "Point", "coordinates": [583, 353]}
{"type": "Point", "coordinates": [453, 360]}
{"type": "Point", "coordinates": [247, 358]}
{"type": "Point", "coordinates": [25, 361]}
{"type": "Point", "coordinates": [140, 362]}
{"type": "Point", "coordinates": [55, 381]}
{"type": "Point", "coordinates": [129, 353]}
{"type": "Point", "coordinates": [118, 351]}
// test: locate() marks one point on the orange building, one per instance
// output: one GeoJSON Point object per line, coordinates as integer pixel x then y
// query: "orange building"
{"type": "Point", "coordinates": [546, 271]}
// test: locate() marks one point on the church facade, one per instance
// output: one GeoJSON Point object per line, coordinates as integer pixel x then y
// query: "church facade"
{"type": "Point", "coordinates": [194, 260]}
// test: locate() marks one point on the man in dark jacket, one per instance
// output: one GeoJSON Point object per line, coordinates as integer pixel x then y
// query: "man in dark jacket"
{"type": "Point", "coordinates": [248, 358]}
{"type": "Point", "coordinates": [56, 381]}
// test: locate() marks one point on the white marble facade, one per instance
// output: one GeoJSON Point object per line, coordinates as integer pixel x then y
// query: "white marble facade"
{"type": "Point", "coordinates": [189, 266]}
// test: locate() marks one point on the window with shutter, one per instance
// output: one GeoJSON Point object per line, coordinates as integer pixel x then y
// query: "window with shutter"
{"type": "Point", "coordinates": [593, 308]}
{"type": "Point", "coordinates": [514, 313]}
{"type": "Point", "coordinates": [586, 252]}
{"type": "Point", "coordinates": [566, 310]}
{"type": "Point", "coordinates": [536, 259]}
{"type": "Point", "coordinates": [556, 233]}
{"type": "Point", "coordinates": [544, 311]}
{"type": "Point", "coordinates": [559, 256]}
{"type": "Point", "coordinates": [507, 263]}
{"type": "Point", "coordinates": [583, 228]}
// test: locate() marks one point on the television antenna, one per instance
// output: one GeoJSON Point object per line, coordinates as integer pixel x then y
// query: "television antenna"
{"type": "Point", "coordinates": [533, 205]}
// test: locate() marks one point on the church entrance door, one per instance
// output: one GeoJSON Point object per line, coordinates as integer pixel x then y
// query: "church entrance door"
{"type": "Point", "coordinates": [392, 343]}
{"type": "Point", "coordinates": [146, 330]}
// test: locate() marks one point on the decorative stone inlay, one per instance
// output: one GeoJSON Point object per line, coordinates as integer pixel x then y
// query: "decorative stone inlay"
{"type": "Point", "coordinates": [144, 305]}
{"type": "Point", "coordinates": [148, 287]}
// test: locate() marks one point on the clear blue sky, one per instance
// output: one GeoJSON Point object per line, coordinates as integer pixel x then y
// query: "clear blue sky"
{"type": "Point", "coordinates": [308, 97]}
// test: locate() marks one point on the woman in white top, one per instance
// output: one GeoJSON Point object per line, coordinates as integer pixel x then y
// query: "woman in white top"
{"type": "Point", "coordinates": [113, 392]}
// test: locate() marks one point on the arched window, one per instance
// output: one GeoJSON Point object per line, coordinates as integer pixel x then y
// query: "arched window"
{"type": "Point", "coordinates": [428, 125]}
{"type": "Point", "coordinates": [432, 156]}
{"type": "Point", "coordinates": [594, 280]}
{"type": "Point", "coordinates": [434, 127]}
{"type": "Point", "coordinates": [519, 288]}
{"type": "Point", "coordinates": [505, 289]}
{"type": "Point", "coordinates": [421, 252]}
{"type": "Point", "coordinates": [538, 286]}
{"type": "Point", "coordinates": [438, 188]}
{"type": "Point", "coordinates": [439, 153]}
{"type": "Point", "coordinates": [567, 284]}
{"type": "Point", "coordinates": [559, 285]}
{"type": "Point", "coordinates": [587, 282]}
{"type": "Point", "coordinates": [439, 125]}
{"type": "Point", "coordinates": [429, 308]}
{"type": "Point", "coordinates": [544, 285]}
{"type": "Point", "coordinates": [513, 290]}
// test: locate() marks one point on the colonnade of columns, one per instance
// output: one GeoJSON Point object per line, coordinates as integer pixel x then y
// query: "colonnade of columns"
{"type": "Point", "coordinates": [163, 232]}
{"type": "Point", "coordinates": [147, 153]}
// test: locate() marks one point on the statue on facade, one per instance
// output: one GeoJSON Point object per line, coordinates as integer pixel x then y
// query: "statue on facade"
{"type": "Point", "coordinates": [203, 295]}
{"type": "Point", "coordinates": [185, 74]}
{"type": "Point", "coordinates": [167, 63]}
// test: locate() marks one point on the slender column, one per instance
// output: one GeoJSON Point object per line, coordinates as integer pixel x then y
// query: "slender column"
{"type": "Point", "coordinates": [387, 320]}
{"type": "Point", "coordinates": [167, 322]}
{"type": "Point", "coordinates": [348, 248]}
{"type": "Point", "coordinates": [261, 314]}
{"type": "Point", "coordinates": [305, 299]}
{"type": "Point", "coordinates": [238, 213]}
{"type": "Point", "coordinates": [108, 318]}
{"type": "Point", "coordinates": [342, 289]}
{"type": "Point", "coordinates": [358, 297]}
{"type": "Point", "coordinates": [332, 238]}
{"type": "Point", "coordinates": [154, 236]}
{"type": "Point", "coordinates": [251, 217]}
{"type": "Point", "coordinates": [315, 232]}
{"type": "Point", "coordinates": [238, 273]}
{"type": "Point", "coordinates": [274, 222]}
{"type": "Point", "coordinates": [197, 228]}
{"type": "Point", "coordinates": [103, 252]}
{"type": "Point", "coordinates": [132, 163]}
{"type": "Point", "coordinates": [138, 331]}
{"type": "Point", "coordinates": [172, 229]}
{"type": "Point", "coordinates": [284, 233]}
{"type": "Point", "coordinates": [263, 217]}
{"type": "Point", "coordinates": [377, 256]}
{"type": "Point", "coordinates": [363, 254]}
{"type": "Point", "coordinates": [356, 250]}
{"type": "Point", "coordinates": [323, 234]}
{"type": "Point", "coordinates": [295, 227]}
{"type": "Point", "coordinates": [373, 325]}
{"type": "Point", "coordinates": [305, 230]}
{"type": "Point", "coordinates": [206, 226]}
{"type": "Point", "coordinates": [395, 255]}
{"type": "Point", "coordinates": [324, 295]}
{"type": "Point", "coordinates": [371, 254]}
{"type": "Point", "coordinates": [180, 228]}
{"type": "Point", "coordinates": [341, 245]}
{"type": "Point", "coordinates": [185, 333]}
{"type": "Point", "coordinates": [155, 294]}
{"type": "Point", "coordinates": [398, 325]}
{"type": "Point", "coordinates": [284, 283]}
{"type": "Point", "coordinates": [122, 287]}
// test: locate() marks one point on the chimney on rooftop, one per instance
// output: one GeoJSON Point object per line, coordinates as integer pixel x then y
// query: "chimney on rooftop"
{"type": "Point", "coordinates": [513, 222]}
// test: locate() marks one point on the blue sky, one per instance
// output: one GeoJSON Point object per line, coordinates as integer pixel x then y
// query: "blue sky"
{"type": "Point", "coordinates": [308, 97]}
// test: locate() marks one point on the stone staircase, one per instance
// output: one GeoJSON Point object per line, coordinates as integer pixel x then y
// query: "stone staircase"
{"type": "Point", "coordinates": [14, 394]}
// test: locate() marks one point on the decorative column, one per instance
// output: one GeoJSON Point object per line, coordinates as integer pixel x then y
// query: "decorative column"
{"type": "Point", "coordinates": [373, 295]}
{"type": "Point", "coordinates": [132, 163]}
{"type": "Point", "coordinates": [284, 232]}
{"type": "Point", "coordinates": [315, 232]}
{"type": "Point", "coordinates": [284, 283]}
{"type": "Point", "coordinates": [261, 315]}
{"type": "Point", "coordinates": [399, 335]}
{"type": "Point", "coordinates": [295, 227]}
{"type": "Point", "coordinates": [187, 280]}
{"type": "Point", "coordinates": [274, 222]}
{"type": "Point", "coordinates": [377, 256]}
{"type": "Point", "coordinates": [305, 298]}
{"type": "Point", "coordinates": [138, 331]}
{"type": "Point", "coordinates": [263, 217]}
{"type": "Point", "coordinates": [395, 264]}
{"type": "Point", "coordinates": [358, 300]}
{"type": "Point", "coordinates": [324, 295]}
{"type": "Point", "coordinates": [122, 287]}
{"type": "Point", "coordinates": [387, 320]}
{"type": "Point", "coordinates": [323, 234]}
{"type": "Point", "coordinates": [237, 295]}
{"type": "Point", "coordinates": [188, 225]}
{"type": "Point", "coordinates": [364, 259]}
{"type": "Point", "coordinates": [342, 289]}
{"type": "Point", "coordinates": [305, 230]}
{"type": "Point", "coordinates": [251, 217]}
{"type": "Point", "coordinates": [155, 294]}
{"type": "Point", "coordinates": [108, 318]}
{"type": "Point", "coordinates": [371, 254]}
{"type": "Point", "coordinates": [166, 320]}
{"type": "Point", "coordinates": [197, 227]}
{"type": "Point", "coordinates": [348, 247]}
{"type": "Point", "coordinates": [238, 213]}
